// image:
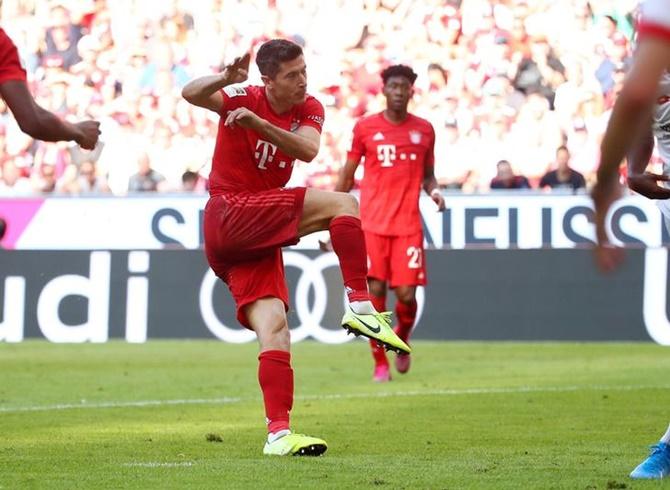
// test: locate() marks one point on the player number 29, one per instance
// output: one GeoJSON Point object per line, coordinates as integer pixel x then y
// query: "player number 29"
{"type": "Point", "coordinates": [414, 254]}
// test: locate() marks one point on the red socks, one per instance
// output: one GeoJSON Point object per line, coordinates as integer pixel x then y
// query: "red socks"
{"type": "Point", "coordinates": [406, 314]}
{"type": "Point", "coordinates": [378, 353]}
{"type": "Point", "coordinates": [348, 242]}
{"type": "Point", "coordinates": [276, 379]}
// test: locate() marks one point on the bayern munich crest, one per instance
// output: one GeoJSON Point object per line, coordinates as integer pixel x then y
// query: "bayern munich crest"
{"type": "Point", "coordinates": [415, 137]}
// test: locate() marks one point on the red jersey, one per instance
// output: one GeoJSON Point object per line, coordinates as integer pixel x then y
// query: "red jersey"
{"type": "Point", "coordinates": [10, 65]}
{"type": "Point", "coordinates": [245, 162]}
{"type": "Point", "coordinates": [396, 156]}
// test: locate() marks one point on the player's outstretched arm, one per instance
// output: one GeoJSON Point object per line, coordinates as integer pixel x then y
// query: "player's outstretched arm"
{"type": "Point", "coordinates": [204, 91]}
{"type": "Point", "coordinates": [42, 124]}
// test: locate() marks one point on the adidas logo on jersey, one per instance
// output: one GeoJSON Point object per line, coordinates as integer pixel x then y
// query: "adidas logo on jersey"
{"type": "Point", "coordinates": [378, 137]}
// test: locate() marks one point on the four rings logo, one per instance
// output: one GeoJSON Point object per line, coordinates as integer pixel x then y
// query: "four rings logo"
{"type": "Point", "coordinates": [310, 314]}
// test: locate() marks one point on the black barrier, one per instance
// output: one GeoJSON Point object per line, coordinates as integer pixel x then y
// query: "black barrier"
{"type": "Point", "coordinates": [77, 296]}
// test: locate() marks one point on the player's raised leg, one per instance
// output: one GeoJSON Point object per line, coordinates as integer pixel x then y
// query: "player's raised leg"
{"type": "Point", "coordinates": [338, 212]}
{"type": "Point", "coordinates": [267, 317]}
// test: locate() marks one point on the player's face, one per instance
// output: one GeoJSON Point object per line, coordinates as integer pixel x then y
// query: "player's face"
{"type": "Point", "coordinates": [290, 83]}
{"type": "Point", "coordinates": [398, 90]}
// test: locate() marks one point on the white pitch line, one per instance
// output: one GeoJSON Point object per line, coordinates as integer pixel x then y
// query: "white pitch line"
{"type": "Point", "coordinates": [139, 403]}
{"type": "Point", "coordinates": [334, 396]}
{"type": "Point", "coordinates": [158, 465]}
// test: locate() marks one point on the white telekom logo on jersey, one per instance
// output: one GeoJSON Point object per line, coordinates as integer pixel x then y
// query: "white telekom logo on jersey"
{"type": "Point", "coordinates": [386, 155]}
{"type": "Point", "coordinates": [265, 153]}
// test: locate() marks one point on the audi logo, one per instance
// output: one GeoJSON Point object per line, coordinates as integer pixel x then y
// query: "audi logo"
{"type": "Point", "coordinates": [310, 314]}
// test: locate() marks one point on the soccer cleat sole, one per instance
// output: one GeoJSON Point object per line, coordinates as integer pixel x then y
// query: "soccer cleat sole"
{"type": "Point", "coordinates": [380, 343]}
{"type": "Point", "coordinates": [311, 450]}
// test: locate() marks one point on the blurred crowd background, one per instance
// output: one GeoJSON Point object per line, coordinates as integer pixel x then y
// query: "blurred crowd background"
{"type": "Point", "coordinates": [505, 83]}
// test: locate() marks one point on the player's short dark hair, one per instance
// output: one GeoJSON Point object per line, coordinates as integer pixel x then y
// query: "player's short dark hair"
{"type": "Point", "coordinates": [562, 148]}
{"type": "Point", "coordinates": [399, 71]}
{"type": "Point", "coordinates": [275, 52]}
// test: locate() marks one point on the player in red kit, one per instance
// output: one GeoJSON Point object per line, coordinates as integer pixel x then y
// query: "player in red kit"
{"type": "Point", "coordinates": [33, 119]}
{"type": "Point", "coordinates": [250, 215]}
{"type": "Point", "coordinates": [397, 148]}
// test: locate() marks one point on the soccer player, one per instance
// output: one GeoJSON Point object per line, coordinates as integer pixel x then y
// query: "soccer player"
{"type": "Point", "coordinates": [250, 215]}
{"type": "Point", "coordinates": [398, 152]}
{"type": "Point", "coordinates": [33, 119]}
{"type": "Point", "coordinates": [643, 106]}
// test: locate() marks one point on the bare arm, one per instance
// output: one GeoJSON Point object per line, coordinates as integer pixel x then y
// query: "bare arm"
{"type": "Point", "coordinates": [204, 91]}
{"type": "Point", "coordinates": [345, 177]}
{"type": "Point", "coordinates": [632, 110]}
{"type": "Point", "coordinates": [42, 124]}
{"type": "Point", "coordinates": [302, 144]}
{"type": "Point", "coordinates": [432, 188]}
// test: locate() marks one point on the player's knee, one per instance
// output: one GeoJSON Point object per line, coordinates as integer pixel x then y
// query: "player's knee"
{"type": "Point", "coordinates": [405, 295]}
{"type": "Point", "coordinates": [348, 204]}
{"type": "Point", "coordinates": [377, 288]}
{"type": "Point", "coordinates": [272, 330]}
{"type": "Point", "coordinates": [276, 322]}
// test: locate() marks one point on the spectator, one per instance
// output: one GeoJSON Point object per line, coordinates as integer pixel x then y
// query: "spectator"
{"type": "Point", "coordinates": [563, 177]}
{"type": "Point", "coordinates": [146, 179]}
{"type": "Point", "coordinates": [12, 182]}
{"type": "Point", "coordinates": [483, 64]}
{"type": "Point", "coordinates": [506, 179]}
{"type": "Point", "coordinates": [45, 181]}
{"type": "Point", "coordinates": [62, 38]}
{"type": "Point", "coordinates": [87, 180]}
{"type": "Point", "coordinates": [192, 182]}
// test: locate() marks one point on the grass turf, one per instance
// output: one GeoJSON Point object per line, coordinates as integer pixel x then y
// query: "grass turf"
{"type": "Point", "coordinates": [468, 415]}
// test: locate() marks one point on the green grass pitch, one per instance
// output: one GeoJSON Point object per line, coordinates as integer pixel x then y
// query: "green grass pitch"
{"type": "Point", "coordinates": [171, 414]}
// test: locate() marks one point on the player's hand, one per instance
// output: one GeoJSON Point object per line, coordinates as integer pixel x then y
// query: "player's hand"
{"type": "Point", "coordinates": [242, 117]}
{"type": "Point", "coordinates": [238, 70]}
{"type": "Point", "coordinates": [89, 131]}
{"type": "Point", "coordinates": [608, 257]}
{"type": "Point", "coordinates": [326, 246]}
{"type": "Point", "coordinates": [647, 185]}
{"type": "Point", "coordinates": [438, 199]}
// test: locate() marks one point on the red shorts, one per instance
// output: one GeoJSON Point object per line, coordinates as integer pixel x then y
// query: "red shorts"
{"type": "Point", "coordinates": [398, 260]}
{"type": "Point", "coordinates": [244, 233]}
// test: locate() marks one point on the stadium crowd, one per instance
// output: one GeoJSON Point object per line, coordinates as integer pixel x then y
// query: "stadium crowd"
{"type": "Point", "coordinates": [525, 83]}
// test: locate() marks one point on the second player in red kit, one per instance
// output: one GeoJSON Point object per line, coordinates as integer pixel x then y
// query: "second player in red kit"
{"type": "Point", "coordinates": [398, 153]}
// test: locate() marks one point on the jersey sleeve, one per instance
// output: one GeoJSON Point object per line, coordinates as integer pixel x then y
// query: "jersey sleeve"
{"type": "Point", "coordinates": [235, 96]}
{"type": "Point", "coordinates": [654, 20]}
{"type": "Point", "coordinates": [10, 64]}
{"type": "Point", "coordinates": [313, 114]}
{"type": "Point", "coordinates": [357, 148]}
